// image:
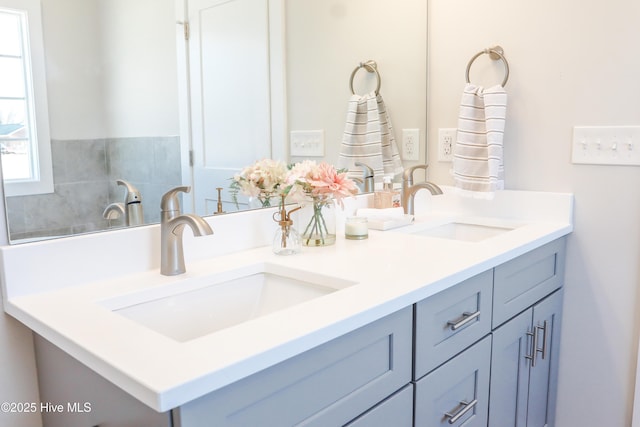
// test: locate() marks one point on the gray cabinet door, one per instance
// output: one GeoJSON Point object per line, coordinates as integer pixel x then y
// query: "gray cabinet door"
{"type": "Point", "coordinates": [524, 367]}
{"type": "Point", "coordinates": [87, 398]}
{"type": "Point", "coordinates": [457, 393]}
{"type": "Point", "coordinates": [510, 372]}
{"type": "Point", "coordinates": [544, 375]}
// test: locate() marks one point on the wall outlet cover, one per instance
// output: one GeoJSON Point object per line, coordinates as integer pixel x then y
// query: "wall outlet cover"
{"type": "Point", "coordinates": [411, 144]}
{"type": "Point", "coordinates": [446, 144]}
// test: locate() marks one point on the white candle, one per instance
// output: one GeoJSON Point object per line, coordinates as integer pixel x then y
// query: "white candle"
{"type": "Point", "coordinates": [356, 228]}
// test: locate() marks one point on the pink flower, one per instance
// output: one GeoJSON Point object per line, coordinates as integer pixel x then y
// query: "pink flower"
{"type": "Point", "coordinates": [310, 180]}
{"type": "Point", "coordinates": [327, 181]}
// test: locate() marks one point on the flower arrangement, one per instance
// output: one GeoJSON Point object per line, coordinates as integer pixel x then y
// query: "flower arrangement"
{"type": "Point", "coordinates": [319, 184]}
{"type": "Point", "coordinates": [263, 180]}
{"type": "Point", "coordinates": [304, 182]}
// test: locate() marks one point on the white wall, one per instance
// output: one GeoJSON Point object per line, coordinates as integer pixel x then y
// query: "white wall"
{"type": "Point", "coordinates": [18, 382]}
{"type": "Point", "coordinates": [571, 64]}
{"type": "Point", "coordinates": [111, 68]}
{"type": "Point", "coordinates": [139, 59]}
{"type": "Point", "coordinates": [327, 40]}
{"type": "Point", "coordinates": [74, 70]}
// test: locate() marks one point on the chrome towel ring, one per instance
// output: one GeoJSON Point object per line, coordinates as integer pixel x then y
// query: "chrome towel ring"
{"type": "Point", "coordinates": [495, 53]}
{"type": "Point", "coordinates": [371, 67]}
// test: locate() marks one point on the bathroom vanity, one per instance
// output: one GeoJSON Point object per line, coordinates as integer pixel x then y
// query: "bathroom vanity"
{"type": "Point", "coordinates": [412, 329]}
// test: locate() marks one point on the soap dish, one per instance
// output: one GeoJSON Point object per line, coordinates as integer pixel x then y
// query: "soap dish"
{"type": "Point", "coordinates": [389, 222]}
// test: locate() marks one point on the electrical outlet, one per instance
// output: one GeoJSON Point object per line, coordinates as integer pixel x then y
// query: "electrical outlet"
{"type": "Point", "coordinates": [411, 144]}
{"type": "Point", "coordinates": [446, 142]}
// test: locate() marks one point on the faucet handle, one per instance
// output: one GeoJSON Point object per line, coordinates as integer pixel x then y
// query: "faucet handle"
{"type": "Point", "coordinates": [170, 201]}
{"type": "Point", "coordinates": [131, 194]}
{"type": "Point", "coordinates": [407, 176]}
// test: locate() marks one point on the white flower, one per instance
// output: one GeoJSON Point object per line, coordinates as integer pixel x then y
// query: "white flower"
{"type": "Point", "coordinates": [264, 178]}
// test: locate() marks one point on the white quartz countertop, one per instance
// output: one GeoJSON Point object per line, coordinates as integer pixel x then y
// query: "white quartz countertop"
{"type": "Point", "coordinates": [390, 270]}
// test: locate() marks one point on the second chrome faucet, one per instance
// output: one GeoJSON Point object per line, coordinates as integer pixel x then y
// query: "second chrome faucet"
{"type": "Point", "coordinates": [409, 189]}
{"type": "Point", "coordinates": [172, 224]}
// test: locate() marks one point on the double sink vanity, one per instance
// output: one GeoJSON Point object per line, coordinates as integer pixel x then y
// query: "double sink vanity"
{"type": "Point", "coordinates": [451, 320]}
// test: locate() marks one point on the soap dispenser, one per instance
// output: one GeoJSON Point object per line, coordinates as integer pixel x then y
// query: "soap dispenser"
{"type": "Point", "coordinates": [286, 240]}
{"type": "Point", "coordinates": [387, 197]}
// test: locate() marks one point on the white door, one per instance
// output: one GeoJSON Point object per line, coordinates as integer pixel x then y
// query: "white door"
{"type": "Point", "coordinates": [236, 74]}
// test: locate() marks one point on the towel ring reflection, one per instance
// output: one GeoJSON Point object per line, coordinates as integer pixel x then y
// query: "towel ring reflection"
{"type": "Point", "coordinates": [371, 67]}
{"type": "Point", "coordinates": [495, 53]}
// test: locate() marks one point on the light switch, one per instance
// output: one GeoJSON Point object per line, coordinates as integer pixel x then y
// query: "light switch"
{"type": "Point", "coordinates": [307, 143]}
{"type": "Point", "coordinates": [606, 145]}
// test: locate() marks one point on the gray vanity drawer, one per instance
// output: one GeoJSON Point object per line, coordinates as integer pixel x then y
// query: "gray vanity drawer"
{"type": "Point", "coordinates": [396, 411]}
{"type": "Point", "coordinates": [457, 393]}
{"type": "Point", "coordinates": [331, 384]}
{"type": "Point", "coordinates": [521, 282]}
{"type": "Point", "coordinates": [452, 320]}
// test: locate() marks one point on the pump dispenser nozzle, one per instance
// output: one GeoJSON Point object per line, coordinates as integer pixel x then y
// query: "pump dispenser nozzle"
{"type": "Point", "coordinates": [286, 240]}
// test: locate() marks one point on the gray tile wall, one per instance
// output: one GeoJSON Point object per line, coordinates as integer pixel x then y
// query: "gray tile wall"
{"type": "Point", "coordinates": [85, 174]}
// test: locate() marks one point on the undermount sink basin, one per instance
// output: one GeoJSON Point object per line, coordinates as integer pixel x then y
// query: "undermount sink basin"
{"type": "Point", "coordinates": [468, 232]}
{"type": "Point", "coordinates": [188, 309]}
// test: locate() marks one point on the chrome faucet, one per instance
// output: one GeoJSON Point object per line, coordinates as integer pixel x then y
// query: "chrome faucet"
{"type": "Point", "coordinates": [172, 224]}
{"type": "Point", "coordinates": [131, 209]}
{"type": "Point", "coordinates": [409, 189]}
{"type": "Point", "coordinates": [367, 177]}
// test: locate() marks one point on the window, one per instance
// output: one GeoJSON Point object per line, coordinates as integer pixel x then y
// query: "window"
{"type": "Point", "coordinates": [25, 145]}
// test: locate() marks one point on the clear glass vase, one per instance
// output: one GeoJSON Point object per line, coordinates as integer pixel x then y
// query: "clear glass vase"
{"type": "Point", "coordinates": [260, 201]}
{"type": "Point", "coordinates": [321, 223]}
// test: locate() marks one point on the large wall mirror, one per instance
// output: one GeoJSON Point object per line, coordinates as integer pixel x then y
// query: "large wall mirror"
{"type": "Point", "coordinates": [120, 106]}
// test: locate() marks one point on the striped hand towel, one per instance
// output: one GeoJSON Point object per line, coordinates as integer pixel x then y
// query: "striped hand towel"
{"type": "Point", "coordinates": [478, 167]}
{"type": "Point", "coordinates": [368, 138]}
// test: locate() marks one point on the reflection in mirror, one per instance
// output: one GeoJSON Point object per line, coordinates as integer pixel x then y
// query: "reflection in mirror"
{"type": "Point", "coordinates": [236, 87]}
{"type": "Point", "coordinates": [116, 100]}
{"type": "Point", "coordinates": [111, 75]}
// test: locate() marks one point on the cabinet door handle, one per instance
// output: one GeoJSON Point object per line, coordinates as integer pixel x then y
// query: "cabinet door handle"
{"type": "Point", "coordinates": [465, 319]}
{"type": "Point", "coordinates": [466, 407]}
{"type": "Point", "coordinates": [534, 346]}
{"type": "Point", "coordinates": [543, 350]}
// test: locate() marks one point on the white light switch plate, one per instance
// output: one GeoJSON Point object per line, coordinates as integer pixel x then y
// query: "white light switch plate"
{"type": "Point", "coordinates": [606, 145]}
{"type": "Point", "coordinates": [307, 143]}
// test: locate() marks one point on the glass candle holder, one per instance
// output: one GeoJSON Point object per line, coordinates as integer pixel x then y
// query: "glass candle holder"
{"type": "Point", "coordinates": [356, 228]}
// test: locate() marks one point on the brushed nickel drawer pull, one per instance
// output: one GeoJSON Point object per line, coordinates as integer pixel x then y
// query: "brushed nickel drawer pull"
{"type": "Point", "coordinates": [467, 317]}
{"type": "Point", "coordinates": [543, 350]}
{"type": "Point", "coordinates": [466, 407]}
{"type": "Point", "coordinates": [534, 346]}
